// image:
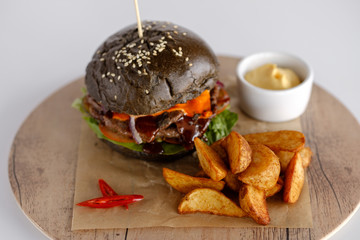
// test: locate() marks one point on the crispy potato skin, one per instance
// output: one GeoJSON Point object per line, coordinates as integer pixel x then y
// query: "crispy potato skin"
{"type": "Point", "coordinates": [238, 152]}
{"type": "Point", "coordinates": [285, 140]}
{"type": "Point", "coordinates": [306, 155]}
{"type": "Point", "coordinates": [232, 181]}
{"type": "Point", "coordinates": [210, 161]}
{"type": "Point", "coordinates": [253, 202]}
{"type": "Point", "coordinates": [264, 169]}
{"type": "Point", "coordinates": [185, 183]}
{"type": "Point", "coordinates": [217, 146]}
{"type": "Point", "coordinates": [284, 158]}
{"type": "Point", "coordinates": [206, 200]}
{"type": "Point", "coordinates": [294, 179]}
{"type": "Point", "coordinates": [277, 188]}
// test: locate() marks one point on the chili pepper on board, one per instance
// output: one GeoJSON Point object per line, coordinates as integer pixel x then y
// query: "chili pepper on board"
{"type": "Point", "coordinates": [105, 189]}
{"type": "Point", "coordinates": [111, 201]}
{"type": "Point", "coordinates": [110, 198]}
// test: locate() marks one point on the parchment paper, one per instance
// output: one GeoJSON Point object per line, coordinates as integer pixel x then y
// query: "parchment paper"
{"type": "Point", "coordinates": [159, 207]}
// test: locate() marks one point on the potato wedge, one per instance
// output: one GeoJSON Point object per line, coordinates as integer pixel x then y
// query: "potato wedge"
{"type": "Point", "coordinates": [185, 183]}
{"type": "Point", "coordinates": [210, 161]}
{"type": "Point", "coordinates": [238, 151]}
{"type": "Point", "coordinates": [206, 200]}
{"type": "Point", "coordinates": [284, 158]}
{"type": "Point", "coordinates": [264, 169]}
{"type": "Point", "coordinates": [274, 190]}
{"type": "Point", "coordinates": [253, 202]}
{"type": "Point", "coordinates": [294, 179]}
{"type": "Point", "coordinates": [217, 146]}
{"type": "Point", "coordinates": [232, 181]}
{"type": "Point", "coordinates": [285, 140]}
{"type": "Point", "coordinates": [201, 174]}
{"type": "Point", "coordinates": [306, 155]}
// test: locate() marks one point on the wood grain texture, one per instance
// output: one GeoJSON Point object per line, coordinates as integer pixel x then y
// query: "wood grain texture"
{"type": "Point", "coordinates": [42, 170]}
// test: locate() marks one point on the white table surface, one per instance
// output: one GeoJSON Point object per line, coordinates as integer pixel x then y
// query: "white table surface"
{"type": "Point", "coordinates": [45, 44]}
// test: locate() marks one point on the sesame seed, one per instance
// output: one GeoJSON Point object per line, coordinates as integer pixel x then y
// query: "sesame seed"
{"type": "Point", "coordinates": [111, 80]}
{"type": "Point", "coordinates": [176, 32]}
{"type": "Point", "coordinates": [175, 26]}
{"type": "Point", "coordinates": [186, 59]}
{"type": "Point", "coordinates": [184, 33]}
{"type": "Point", "coordinates": [133, 65]}
{"type": "Point", "coordinates": [115, 97]}
{"type": "Point", "coordinates": [108, 74]}
{"type": "Point", "coordinates": [113, 74]}
{"type": "Point", "coordinates": [103, 76]}
{"type": "Point", "coordinates": [190, 64]}
{"type": "Point", "coordinates": [146, 91]}
{"type": "Point", "coordinates": [102, 59]}
{"type": "Point", "coordinates": [139, 72]}
{"type": "Point", "coordinates": [119, 77]}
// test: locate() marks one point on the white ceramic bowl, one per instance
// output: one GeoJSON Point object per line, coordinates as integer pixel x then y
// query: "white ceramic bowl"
{"type": "Point", "coordinates": [274, 105]}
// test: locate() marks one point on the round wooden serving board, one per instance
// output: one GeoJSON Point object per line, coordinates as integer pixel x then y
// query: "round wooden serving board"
{"type": "Point", "coordinates": [43, 160]}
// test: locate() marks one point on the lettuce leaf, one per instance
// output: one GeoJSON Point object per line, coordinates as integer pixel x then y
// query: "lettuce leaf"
{"type": "Point", "coordinates": [93, 124]}
{"type": "Point", "coordinates": [220, 126]}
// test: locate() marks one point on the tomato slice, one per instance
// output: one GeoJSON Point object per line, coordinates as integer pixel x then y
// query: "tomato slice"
{"type": "Point", "coordinates": [113, 136]}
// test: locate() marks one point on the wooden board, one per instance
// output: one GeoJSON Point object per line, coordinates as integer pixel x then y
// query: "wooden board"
{"type": "Point", "coordinates": [43, 158]}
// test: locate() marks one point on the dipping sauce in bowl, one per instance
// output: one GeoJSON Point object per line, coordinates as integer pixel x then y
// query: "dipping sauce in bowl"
{"type": "Point", "coordinates": [280, 104]}
{"type": "Point", "coordinates": [270, 76]}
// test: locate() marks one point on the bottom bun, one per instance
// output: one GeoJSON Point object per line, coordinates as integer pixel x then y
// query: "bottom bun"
{"type": "Point", "coordinates": [146, 156]}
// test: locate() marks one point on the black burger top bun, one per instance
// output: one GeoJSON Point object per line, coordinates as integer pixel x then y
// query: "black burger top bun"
{"type": "Point", "coordinates": [141, 76]}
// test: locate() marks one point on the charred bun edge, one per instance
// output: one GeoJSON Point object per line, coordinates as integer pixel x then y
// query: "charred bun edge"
{"type": "Point", "coordinates": [146, 156]}
{"type": "Point", "coordinates": [169, 65]}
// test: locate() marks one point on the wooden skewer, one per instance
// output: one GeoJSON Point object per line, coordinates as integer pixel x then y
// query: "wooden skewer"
{"type": "Point", "coordinates": [140, 31]}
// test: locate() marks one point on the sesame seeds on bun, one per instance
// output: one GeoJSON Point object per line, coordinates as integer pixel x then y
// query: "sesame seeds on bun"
{"type": "Point", "coordinates": [140, 76]}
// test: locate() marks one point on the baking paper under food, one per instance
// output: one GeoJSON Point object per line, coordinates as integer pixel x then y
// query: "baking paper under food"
{"type": "Point", "coordinates": [159, 207]}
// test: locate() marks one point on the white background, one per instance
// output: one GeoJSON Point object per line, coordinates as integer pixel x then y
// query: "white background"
{"type": "Point", "coordinates": [47, 44]}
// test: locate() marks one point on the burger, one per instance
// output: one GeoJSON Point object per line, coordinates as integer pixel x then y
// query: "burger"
{"type": "Point", "coordinates": [150, 97]}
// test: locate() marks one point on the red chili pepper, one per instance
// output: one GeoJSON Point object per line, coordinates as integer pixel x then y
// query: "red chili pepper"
{"type": "Point", "coordinates": [111, 201]}
{"type": "Point", "coordinates": [105, 189]}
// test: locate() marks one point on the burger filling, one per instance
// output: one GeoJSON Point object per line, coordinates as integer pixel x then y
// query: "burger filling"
{"type": "Point", "coordinates": [167, 131]}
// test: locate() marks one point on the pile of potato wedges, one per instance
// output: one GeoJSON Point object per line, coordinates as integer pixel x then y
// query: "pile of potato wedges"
{"type": "Point", "coordinates": [254, 166]}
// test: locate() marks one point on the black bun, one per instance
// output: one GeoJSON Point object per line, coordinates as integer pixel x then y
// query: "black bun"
{"type": "Point", "coordinates": [169, 65]}
{"type": "Point", "coordinates": [147, 156]}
